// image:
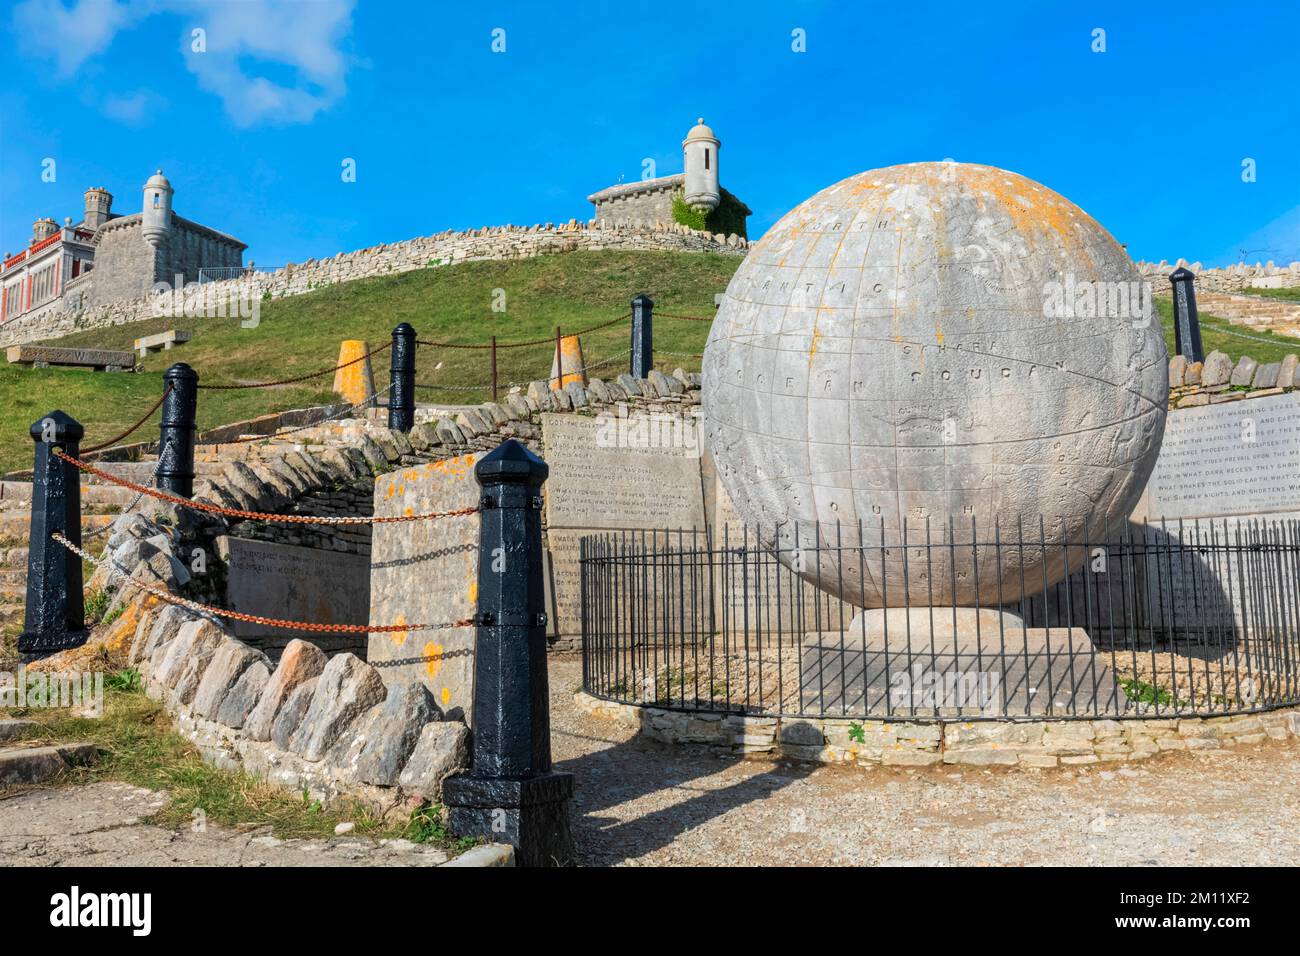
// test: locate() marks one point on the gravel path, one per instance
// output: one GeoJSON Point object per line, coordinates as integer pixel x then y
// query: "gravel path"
{"type": "Point", "coordinates": [643, 803]}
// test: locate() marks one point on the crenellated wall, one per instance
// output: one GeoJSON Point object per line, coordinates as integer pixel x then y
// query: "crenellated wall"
{"type": "Point", "coordinates": [444, 248]}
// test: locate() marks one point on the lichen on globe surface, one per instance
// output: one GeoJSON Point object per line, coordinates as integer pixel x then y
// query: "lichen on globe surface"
{"type": "Point", "coordinates": [929, 347]}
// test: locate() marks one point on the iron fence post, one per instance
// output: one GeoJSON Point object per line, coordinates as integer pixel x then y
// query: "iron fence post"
{"type": "Point", "coordinates": [642, 359]}
{"type": "Point", "coordinates": [511, 794]}
{"type": "Point", "coordinates": [1187, 323]}
{"type": "Point", "coordinates": [401, 400]}
{"type": "Point", "coordinates": [176, 431]}
{"type": "Point", "coordinates": [55, 616]}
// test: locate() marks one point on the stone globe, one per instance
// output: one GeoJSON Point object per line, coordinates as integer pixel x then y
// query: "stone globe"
{"type": "Point", "coordinates": [934, 353]}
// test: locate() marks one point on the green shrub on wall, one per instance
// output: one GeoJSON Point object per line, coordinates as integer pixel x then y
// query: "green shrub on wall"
{"type": "Point", "coordinates": [688, 216]}
{"type": "Point", "coordinates": [728, 218]}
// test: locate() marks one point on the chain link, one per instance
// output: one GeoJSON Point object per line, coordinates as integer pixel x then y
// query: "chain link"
{"type": "Point", "coordinates": [147, 415]}
{"type": "Point", "coordinates": [161, 592]}
{"type": "Point", "coordinates": [350, 410]}
{"type": "Point", "coordinates": [300, 378]}
{"type": "Point", "coordinates": [257, 515]}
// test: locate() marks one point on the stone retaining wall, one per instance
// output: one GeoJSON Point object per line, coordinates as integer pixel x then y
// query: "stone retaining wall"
{"type": "Point", "coordinates": [1232, 279]}
{"type": "Point", "coordinates": [444, 248]}
{"type": "Point", "coordinates": [1219, 379]}
{"type": "Point", "coordinates": [1039, 743]}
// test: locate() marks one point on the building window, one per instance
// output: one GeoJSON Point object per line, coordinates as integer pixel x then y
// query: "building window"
{"type": "Point", "coordinates": [155, 200]}
{"type": "Point", "coordinates": [706, 158]}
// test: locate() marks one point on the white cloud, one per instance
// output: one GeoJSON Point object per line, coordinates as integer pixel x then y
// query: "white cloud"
{"type": "Point", "coordinates": [132, 108]}
{"type": "Point", "coordinates": [303, 36]}
{"type": "Point", "coordinates": [240, 36]}
{"type": "Point", "coordinates": [71, 35]}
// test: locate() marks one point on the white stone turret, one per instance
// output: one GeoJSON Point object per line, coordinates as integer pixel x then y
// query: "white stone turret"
{"type": "Point", "coordinates": [700, 160]}
{"type": "Point", "coordinates": [157, 218]}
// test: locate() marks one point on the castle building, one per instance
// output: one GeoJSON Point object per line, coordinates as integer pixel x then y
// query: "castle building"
{"type": "Point", "coordinates": [697, 189]}
{"type": "Point", "coordinates": [108, 258]}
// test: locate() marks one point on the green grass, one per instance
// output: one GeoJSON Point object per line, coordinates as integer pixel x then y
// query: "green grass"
{"type": "Point", "coordinates": [1287, 295]}
{"type": "Point", "coordinates": [299, 334]}
{"type": "Point", "coordinates": [1219, 335]}
{"type": "Point", "coordinates": [138, 745]}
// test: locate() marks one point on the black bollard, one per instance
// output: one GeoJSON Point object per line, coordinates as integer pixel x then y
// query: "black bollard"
{"type": "Point", "coordinates": [176, 431]}
{"type": "Point", "coordinates": [1187, 324]}
{"type": "Point", "coordinates": [642, 337]}
{"type": "Point", "coordinates": [511, 794]}
{"type": "Point", "coordinates": [401, 400]}
{"type": "Point", "coordinates": [55, 617]}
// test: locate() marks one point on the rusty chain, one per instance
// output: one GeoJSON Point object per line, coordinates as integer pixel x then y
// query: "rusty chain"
{"type": "Point", "coordinates": [549, 340]}
{"type": "Point", "coordinates": [299, 378]}
{"type": "Point", "coordinates": [161, 592]}
{"type": "Point", "coordinates": [147, 415]}
{"type": "Point", "coordinates": [255, 515]}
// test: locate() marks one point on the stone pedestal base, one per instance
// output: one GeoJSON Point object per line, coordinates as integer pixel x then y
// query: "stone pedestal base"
{"type": "Point", "coordinates": [961, 662]}
{"type": "Point", "coordinates": [531, 815]}
{"type": "Point", "coordinates": [962, 623]}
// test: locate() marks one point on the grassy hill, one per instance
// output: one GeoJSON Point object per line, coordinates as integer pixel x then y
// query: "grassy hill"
{"type": "Point", "coordinates": [453, 304]}
{"type": "Point", "coordinates": [300, 334]}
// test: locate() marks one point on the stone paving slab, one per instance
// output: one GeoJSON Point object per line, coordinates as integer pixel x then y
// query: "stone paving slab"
{"type": "Point", "coordinates": [100, 824]}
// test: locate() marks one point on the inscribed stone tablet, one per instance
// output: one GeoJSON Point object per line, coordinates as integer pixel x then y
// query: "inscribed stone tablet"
{"type": "Point", "coordinates": [603, 475]}
{"type": "Point", "coordinates": [1237, 458]}
{"type": "Point", "coordinates": [299, 584]}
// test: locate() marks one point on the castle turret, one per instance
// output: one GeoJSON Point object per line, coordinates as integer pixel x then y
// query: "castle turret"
{"type": "Point", "coordinates": [700, 155]}
{"type": "Point", "coordinates": [99, 203]}
{"type": "Point", "coordinates": [157, 218]}
{"type": "Point", "coordinates": [43, 229]}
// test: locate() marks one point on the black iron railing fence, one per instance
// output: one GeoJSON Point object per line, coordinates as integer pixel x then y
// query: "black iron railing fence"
{"type": "Point", "coordinates": [1170, 619]}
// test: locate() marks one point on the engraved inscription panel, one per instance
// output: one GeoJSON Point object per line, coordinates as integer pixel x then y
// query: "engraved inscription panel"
{"type": "Point", "coordinates": [1236, 458]}
{"type": "Point", "coordinates": [598, 480]}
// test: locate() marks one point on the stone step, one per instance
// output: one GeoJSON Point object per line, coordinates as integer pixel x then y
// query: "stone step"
{"type": "Point", "coordinates": [141, 472]}
{"type": "Point", "coordinates": [91, 494]}
{"type": "Point", "coordinates": [15, 526]}
{"type": "Point", "coordinates": [11, 729]}
{"type": "Point", "coordinates": [35, 765]}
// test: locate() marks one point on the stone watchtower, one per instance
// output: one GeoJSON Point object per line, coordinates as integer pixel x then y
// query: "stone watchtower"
{"type": "Point", "coordinates": [99, 204]}
{"type": "Point", "coordinates": [156, 220]}
{"type": "Point", "coordinates": [700, 162]}
{"type": "Point", "coordinates": [653, 202]}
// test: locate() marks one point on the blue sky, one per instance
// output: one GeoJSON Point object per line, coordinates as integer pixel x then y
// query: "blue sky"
{"type": "Point", "coordinates": [1149, 136]}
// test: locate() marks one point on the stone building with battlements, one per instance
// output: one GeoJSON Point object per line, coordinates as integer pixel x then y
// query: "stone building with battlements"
{"type": "Point", "coordinates": [652, 201]}
{"type": "Point", "coordinates": [107, 257]}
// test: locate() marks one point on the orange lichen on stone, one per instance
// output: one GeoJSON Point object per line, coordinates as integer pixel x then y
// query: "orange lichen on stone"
{"type": "Point", "coordinates": [356, 381]}
{"type": "Point", "coordinates": [567, 365]}
{"type": "Point", "coordinates": [107, 648]}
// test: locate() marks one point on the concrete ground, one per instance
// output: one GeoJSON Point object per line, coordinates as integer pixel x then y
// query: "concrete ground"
{"type": "Point", "coordinates": [99, 825]}
{"type": "Point", "coordinates": [643, 803]}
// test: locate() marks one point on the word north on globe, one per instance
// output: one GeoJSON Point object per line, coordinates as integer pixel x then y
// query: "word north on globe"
{"type": "Point", "coordinates": [899, 355]}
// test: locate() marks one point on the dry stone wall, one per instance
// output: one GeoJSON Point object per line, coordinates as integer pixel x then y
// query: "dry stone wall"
{"type": "Point", "coordinates": [444, 248]}
{"type": "Point", "coordinates": [1232, 279]}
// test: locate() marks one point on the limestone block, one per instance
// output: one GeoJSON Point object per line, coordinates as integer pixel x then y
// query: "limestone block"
{"type": "Point", "coordinates": [442, 749]}
{"type": "Point", "coordinates": [1217, 370]}
{"type": "Point", "coordinates": [1244, 373]}
{"type": "Point", "coordinates": [348, 687]}
{"type": "Point", "coordinates": [243, 696]}
{"type": "Point", "coordinates": [300, 661]}
{"type": "Point", "coordinates": [229, 662]}
{"type": "Point", "coordinates": [163, 631]}
{"type": "Point", "coordinates": [390, 732]}
{"type": "Point", "coordinates": [194, 637]}
{"type": "Point", "coordinates": [289, 717]}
